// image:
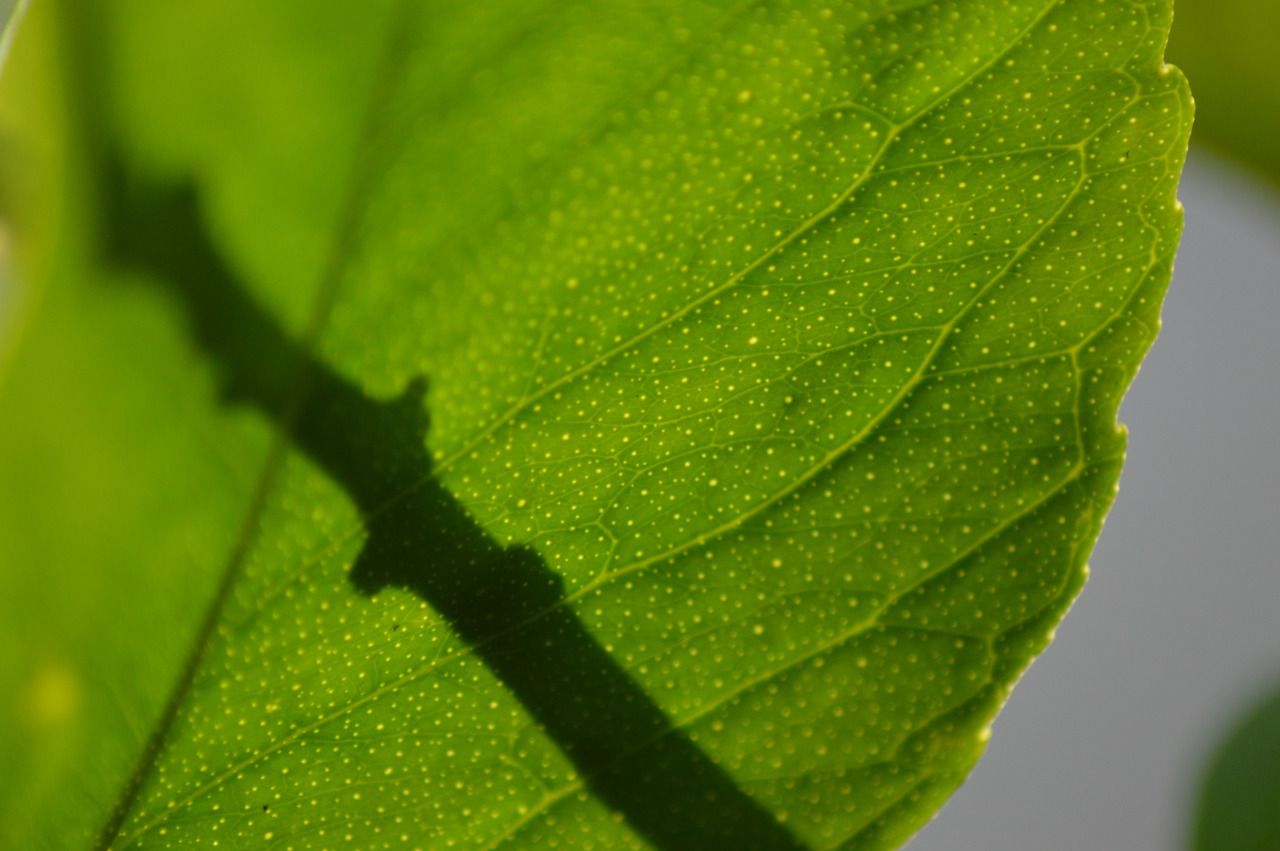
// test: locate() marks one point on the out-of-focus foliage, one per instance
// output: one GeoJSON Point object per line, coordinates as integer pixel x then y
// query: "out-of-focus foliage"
{"type": "Point", "coordinates": [1239, 802]}
{"type": "Point", "coordinates": [773, 353]}
{"type": "Point", "coordinates": [1230, 50]}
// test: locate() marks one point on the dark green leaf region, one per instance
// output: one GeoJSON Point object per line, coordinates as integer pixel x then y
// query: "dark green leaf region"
{"type": "Point", "coordinates": [1238, 807]}
{"type": "Point", "coordinates": [529, 424]}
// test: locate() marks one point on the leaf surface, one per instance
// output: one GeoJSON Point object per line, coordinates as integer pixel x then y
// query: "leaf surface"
{"type": "Point", "coordinates": [678, 423]}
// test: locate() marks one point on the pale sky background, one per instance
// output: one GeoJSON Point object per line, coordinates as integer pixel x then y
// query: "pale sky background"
{"type": "Point", "coordinates": [1177, 631]}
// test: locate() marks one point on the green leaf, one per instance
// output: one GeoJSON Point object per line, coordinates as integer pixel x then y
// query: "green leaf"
{"type": "Point", "coordinates": [526, 424]}
{"type": "Point", "coordinates": [1230, 50]}
{"type": "Point", "coordinates": [1239, 802]}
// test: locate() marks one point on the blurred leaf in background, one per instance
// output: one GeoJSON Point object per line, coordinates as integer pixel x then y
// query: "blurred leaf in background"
{"type": "Point", "coordinates": [1239, 801]}
{"type": "Point", "coordinates": [1230, 50]}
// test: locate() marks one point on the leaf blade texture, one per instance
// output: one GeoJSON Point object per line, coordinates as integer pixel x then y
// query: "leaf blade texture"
{"type": "Point", "coordinates": [695, 400]}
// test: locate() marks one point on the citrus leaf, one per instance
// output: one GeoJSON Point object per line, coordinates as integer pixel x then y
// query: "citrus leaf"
{"type": "Point", "coordinates": [1238, 807]}
{"type": "Point", "coordinates": [675, 424]}
{"type": "Point", "coordinates": [1229, 49]}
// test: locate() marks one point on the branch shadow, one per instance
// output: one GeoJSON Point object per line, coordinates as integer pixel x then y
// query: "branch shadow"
{"type": "Point", "coordinates": [505, 603]}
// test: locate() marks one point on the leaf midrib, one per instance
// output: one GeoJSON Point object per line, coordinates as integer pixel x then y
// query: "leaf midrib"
{"type": "Point", "coordinates": [360, 175]}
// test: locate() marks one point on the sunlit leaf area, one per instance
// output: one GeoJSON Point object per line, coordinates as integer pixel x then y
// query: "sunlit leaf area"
{"type": "Point", "coordinates": [520, 425]}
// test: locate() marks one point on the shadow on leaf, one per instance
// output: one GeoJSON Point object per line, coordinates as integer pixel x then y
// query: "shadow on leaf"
{"type": "Point", "coordinates": [504, 602]}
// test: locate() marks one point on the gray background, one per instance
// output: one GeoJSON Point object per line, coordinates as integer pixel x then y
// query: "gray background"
{"type": "Point", "coordinates": [1178, 630]}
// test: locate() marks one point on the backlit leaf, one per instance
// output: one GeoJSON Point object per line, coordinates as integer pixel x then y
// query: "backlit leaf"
{"type": "Point", "coordinates": [526, 424]}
